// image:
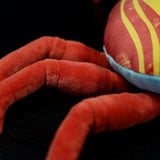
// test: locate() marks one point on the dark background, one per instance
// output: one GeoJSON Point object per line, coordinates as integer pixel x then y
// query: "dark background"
{"type": "Point", "coordinates": [30, 123]}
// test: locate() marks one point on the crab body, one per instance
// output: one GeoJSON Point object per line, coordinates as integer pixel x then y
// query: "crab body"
{"type": "Point", "coordinates": [134, 27]}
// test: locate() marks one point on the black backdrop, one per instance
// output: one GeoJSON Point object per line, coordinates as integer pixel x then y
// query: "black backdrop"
{"type": "Point", "coordinates": [30, 123]}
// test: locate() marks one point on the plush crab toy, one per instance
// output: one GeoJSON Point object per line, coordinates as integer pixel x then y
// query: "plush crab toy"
{"type": "Point", "coordinates": [132, 48]}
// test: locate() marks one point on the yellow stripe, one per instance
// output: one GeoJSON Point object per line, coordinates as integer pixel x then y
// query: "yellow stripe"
{"type": "Point", "coordinates": [154, 4]}
{"type": "Point", "coordinates": [155, 40]}
{"type": "Point", "coordinates": [134, 37]}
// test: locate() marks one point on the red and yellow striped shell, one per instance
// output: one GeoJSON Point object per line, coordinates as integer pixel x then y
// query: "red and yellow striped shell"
{"type": "Point", "coordinates": [132, 35]}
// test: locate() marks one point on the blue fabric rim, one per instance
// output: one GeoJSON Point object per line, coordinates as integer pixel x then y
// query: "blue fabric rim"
{"type": "Point", "coordinates": [142, 81]}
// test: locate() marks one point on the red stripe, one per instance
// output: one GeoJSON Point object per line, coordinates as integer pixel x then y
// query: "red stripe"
{"type": "Point", "coordinates": [153, 17]}
{"type": "Point", "coordinates": [118, 42]}
{"type": "Point", "coordinates": [143, 33]}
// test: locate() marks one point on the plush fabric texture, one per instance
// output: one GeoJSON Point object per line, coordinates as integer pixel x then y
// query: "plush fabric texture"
{"type": "Point", "coordinates": [132, 35]}
{"type": "Point", "coordinates": [75, 69]}
{"type": "Point", "coordinates": [49, 47]}
{"type": "Point", "coordinates": [142, 81]}
{"type": "Point", "coordinates": [21, 75]}
{"type": "Point", "coordinates": [99, 114]}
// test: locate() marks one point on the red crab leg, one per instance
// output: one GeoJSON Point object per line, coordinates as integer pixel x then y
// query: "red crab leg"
{"type": "Point", "coordinates": [49, 47]}
{"type": "Point", "coordinates": [108, 112]}
{"type": "Point", "coordinates": [75, 78]}
{"type": "Point", "coordinates": [20, 85]}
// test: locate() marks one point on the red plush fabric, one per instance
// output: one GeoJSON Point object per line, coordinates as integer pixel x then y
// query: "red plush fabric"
{"type": "Point", "coordinates": [99, 114]}
{"type": "Point", "coordinates": [20, 85]}
{"type": "Point", "coordinates": [84, 79]}
{"type": "Point", "coordinates": [49, 47]}
{"type": "Point", "coordinates": [76, 69]}
{"type": "Point", "coordinates": [21, 74]}
{"type": "Point", "coordinates": [62, 75]}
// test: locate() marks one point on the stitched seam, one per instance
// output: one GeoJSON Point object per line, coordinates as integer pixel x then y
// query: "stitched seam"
{"type": "Point", "coordinates": [59, 73]}
{"type": "Point", "coordinates": [49, 48]}
{"type": "Point", "coordinates": [92, 128]}
{"type": "Point", "coordinates": [61, 57]}
{"type": "Point", "coordinates": [45, 80]}
{"type": "Point", "coordinates": [106, 113]}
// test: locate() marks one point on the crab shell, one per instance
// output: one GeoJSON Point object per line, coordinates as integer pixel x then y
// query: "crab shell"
{"type": "Point", "coordinates": [132, 42]}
